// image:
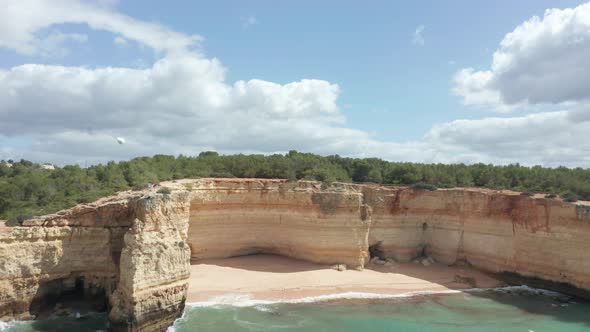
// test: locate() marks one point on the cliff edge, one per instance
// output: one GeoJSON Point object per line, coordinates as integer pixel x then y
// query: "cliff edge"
{"type": "Point", "coordinates": [134, 249]}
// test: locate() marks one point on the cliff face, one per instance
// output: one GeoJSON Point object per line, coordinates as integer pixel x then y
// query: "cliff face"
{"type": "Point", "coordinates": [155, 266]}
{"type": "Point", "coordinates": [232, 218]}
{"type": "Point", "coordinates": [130, 249]}
{"type": "Point", "coordinates": [136, 248]}
{"type": "Point", "coordinates": [493, 231]}
{"type": "Point", "coordinates": [53, 254]}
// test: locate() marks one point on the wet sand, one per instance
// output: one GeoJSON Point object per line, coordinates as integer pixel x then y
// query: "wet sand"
{"type": "Point", "coordinates": [269, 277]}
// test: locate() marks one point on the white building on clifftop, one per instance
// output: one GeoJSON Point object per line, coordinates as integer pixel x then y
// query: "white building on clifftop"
{"type": "Point", "coordinates": [50, 167]}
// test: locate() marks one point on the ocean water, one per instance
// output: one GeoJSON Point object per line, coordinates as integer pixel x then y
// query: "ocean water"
{"type": "Point", "coordinates": [92, 322]}
{"type": "Point", "coordinates": [518, 309]}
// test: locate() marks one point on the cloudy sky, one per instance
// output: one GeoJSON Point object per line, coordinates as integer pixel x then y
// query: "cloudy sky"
{"type": "Point", "coordinates": [425, 81]}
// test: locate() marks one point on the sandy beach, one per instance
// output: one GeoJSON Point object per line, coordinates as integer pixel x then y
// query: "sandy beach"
{"type": "Point", "coordinates": [269, 277]}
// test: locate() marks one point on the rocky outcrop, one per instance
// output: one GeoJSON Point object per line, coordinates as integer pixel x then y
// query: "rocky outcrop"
{"type": "Point", "coordinates": [135, 248]}
{"type": "Point", "coordinates": [79, 247]}
{"type": "Point", "coordinates": [155, 266]}
{"type": "Point", "coordinates": [130, 249]}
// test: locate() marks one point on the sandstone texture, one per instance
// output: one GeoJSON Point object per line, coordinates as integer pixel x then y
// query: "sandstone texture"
{"type": "Point", "coordinates": [135, 248]}
{"type": "Point", "coordinates": [299, 220]}
{"type": "Point", "coordinates": [492, 231]}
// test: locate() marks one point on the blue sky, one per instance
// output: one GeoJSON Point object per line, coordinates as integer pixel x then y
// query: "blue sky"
{"type": "Point", "coordinates": [396, 88]}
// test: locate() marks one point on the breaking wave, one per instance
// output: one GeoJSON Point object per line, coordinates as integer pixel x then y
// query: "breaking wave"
{"type": "Point", "coordinates": [245, 300]}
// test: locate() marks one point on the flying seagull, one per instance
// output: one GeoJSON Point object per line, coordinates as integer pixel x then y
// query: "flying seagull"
{"type": "Point", "coordinates": [120, 140]}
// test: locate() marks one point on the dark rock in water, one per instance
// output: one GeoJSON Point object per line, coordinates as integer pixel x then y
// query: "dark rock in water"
{"type": "Point", "coordinates": [567, 291]}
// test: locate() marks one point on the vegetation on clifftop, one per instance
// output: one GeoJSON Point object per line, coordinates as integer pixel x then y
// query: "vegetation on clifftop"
{"type": "Point", "coordinates": [26, 189]}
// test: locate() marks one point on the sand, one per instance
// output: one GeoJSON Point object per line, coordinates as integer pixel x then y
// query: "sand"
{"type": "Point", "coordinates": [269, 277]}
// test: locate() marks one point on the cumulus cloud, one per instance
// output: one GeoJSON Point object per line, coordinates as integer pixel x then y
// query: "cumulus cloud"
{"type": "Point", "coordinates": [547, 138]}
{"type": "Point", "coordinates": [542, 61]}
{"type": "Point", "coordinates": [417, 37]}
{"type": "Point", "coordinates": [182, 103]}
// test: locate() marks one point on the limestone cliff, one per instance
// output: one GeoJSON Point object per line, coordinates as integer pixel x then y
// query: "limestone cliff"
{"type": "Point", "coordinates": [230, 218]}
{"type": "Point", "coordinates": [51, 254]}
{"type": "Point", "coordinates": [155, 266]}
{"type": "Point", "coordinates": [493, 231]}
{"type": "Point", "coordinates": [130, 248]}
{"type": "Point", "coordinates": [135, 248]}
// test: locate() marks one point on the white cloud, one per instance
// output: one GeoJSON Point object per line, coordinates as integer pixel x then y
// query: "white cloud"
{"type": "Point", "coordinates": [417, 37]}
{"type": "Point", "coordinates": [548, 138]}
{"type": "Point", "coordinates": [249, 21]}
{"type": "Point", "coordinates": [182, 103]}
{"type": "Point", "coordinates": [473, 87]}
{"type": "Point", "coordinates": [543, 61]}
{"type": "Point", "coordinates": [22, 20]}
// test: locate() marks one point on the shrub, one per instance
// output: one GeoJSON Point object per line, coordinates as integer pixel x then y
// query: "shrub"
{"type": "Point", "coordinates": [551, 195]}
{"type": "Point", "coordinates": [18, 220]}
{"type": "Point", "coordinates": [222, 174]}
{"type": "Point", "coordinates": [527, 193]}
{"type": "Point", "coordinates": [569, 196]}
{"type": "Point", "coordinates": [12, 222]}
{"type": "Point", "coordinates": [82, 200]}
{"type": "Point", "coordinates": [424, 186]}
{"type": "Point", "coordinates": [139, 187]}
{"type": "Point", "coordinates": [164, 191]}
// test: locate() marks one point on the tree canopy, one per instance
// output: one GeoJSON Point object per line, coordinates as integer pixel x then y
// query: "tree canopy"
{"type": "Point", "coordinates": [27, 189]}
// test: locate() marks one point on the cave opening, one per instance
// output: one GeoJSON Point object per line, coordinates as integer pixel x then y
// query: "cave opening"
{"type": "Point", "coordinates": [253, 252]}
{"type": "Point", "coordinates": [423, 252]}
{"type": "Point", "coordinates": [67, 296]}
{"type": "Point", "coordinates": [79, 285]}
{"type": "Point", "coordinates": [376, 250]}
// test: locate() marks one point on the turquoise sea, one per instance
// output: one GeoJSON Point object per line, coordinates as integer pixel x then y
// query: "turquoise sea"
{"type": "Point", "coordinates": [91, 322]}
{"type": "Point", "coordinates": [521, 311]}
{"type": "Point", "coordinates": [508, 310]}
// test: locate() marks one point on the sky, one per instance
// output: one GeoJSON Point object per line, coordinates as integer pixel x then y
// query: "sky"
{"type": "Point", "coordinates": [421, 81]}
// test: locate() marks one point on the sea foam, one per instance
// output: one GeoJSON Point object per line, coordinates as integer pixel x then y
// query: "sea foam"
{"type": "Point", "coordinates": [6, 325]}
{"type": "Point", "coordinates": [246, 300]}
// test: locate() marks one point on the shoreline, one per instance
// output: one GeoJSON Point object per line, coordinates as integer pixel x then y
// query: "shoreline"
{"type": "Point", "coordinates": [336, 298]}
{"type": "Point", "coordinates": [241, 301]}
{"type": "Point", "coordinates": [269, 278]}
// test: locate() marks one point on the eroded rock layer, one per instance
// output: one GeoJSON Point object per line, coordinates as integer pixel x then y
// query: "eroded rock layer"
{"type": "Point", "coordinates": [50, 255]}
{"type": "Point", "coordinates": [135, 248]}
{"type": "Point", "coordinates": [291, 219]}
{"type": "Point", "coordinates": [492, 231]}
{"type": "Point", "coordinates": [155, 266]}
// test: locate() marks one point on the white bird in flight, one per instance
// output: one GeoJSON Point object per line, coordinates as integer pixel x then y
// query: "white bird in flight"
{"type": "Point", "coordinates": [120, 140]}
